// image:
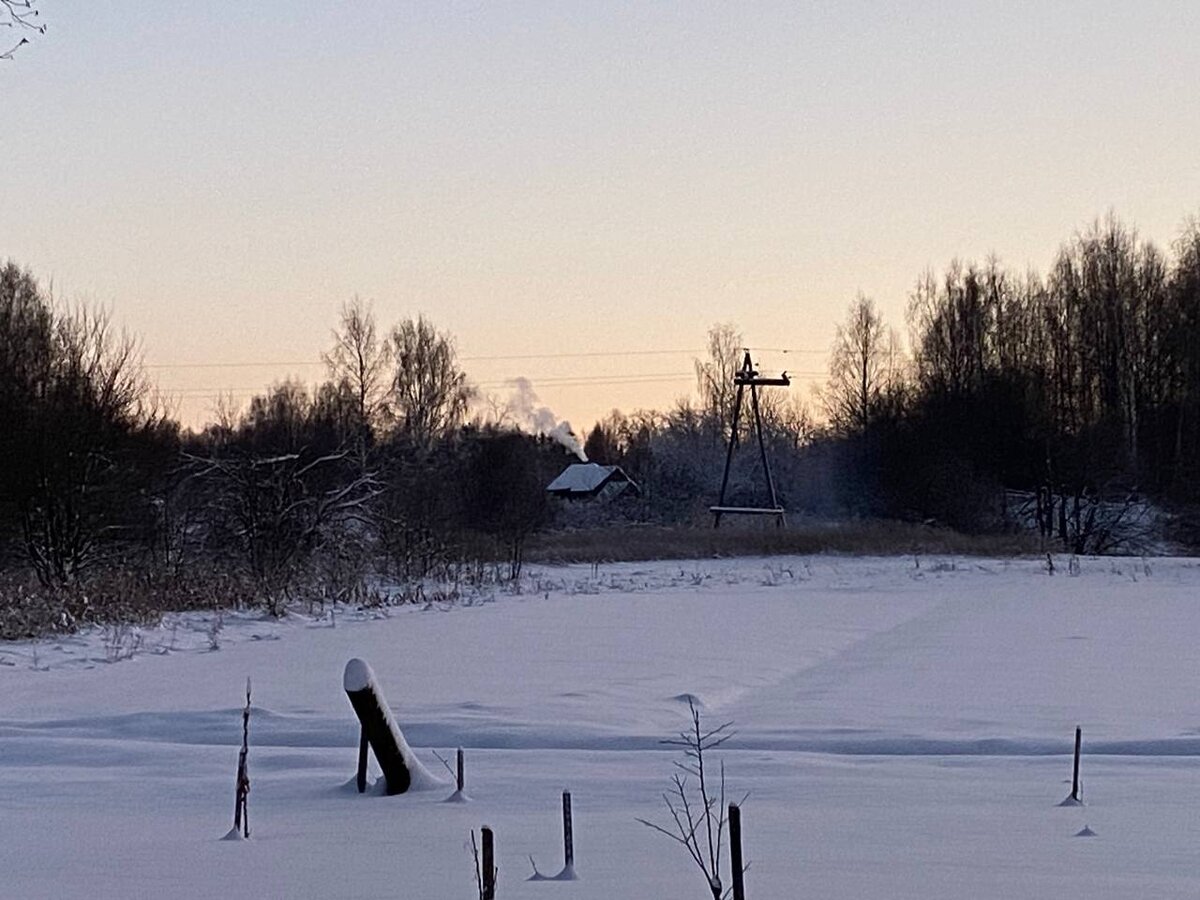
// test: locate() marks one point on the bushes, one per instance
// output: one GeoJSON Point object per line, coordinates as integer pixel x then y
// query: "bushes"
{"type": "Point", "coordinates": [30, 609]}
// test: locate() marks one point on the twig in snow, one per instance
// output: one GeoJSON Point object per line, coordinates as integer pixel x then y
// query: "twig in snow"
{"type": "Point", "coordinates": [698, 817]}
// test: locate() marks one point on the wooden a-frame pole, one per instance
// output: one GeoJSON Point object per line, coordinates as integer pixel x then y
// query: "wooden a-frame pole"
{"type": "Point", "coordinates": [747, 377]}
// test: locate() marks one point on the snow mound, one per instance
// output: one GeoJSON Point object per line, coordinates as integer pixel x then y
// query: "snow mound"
{"type": "Point", "coordinates": [1071, 801]}
{"type": "Point", "coordinates": [567, 874]}
{"type": "Point", "coordinates": [1085, 831]}
{"type": "Point", "coordinates": [350, 786]}
{"type": "Point", "coordinates": [422, 778]}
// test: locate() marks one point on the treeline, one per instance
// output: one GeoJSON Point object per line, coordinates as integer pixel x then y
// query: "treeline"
{"type": "Point", "coordinates": [109, 510]}
{"type": "Point", "coordinates": [1067, 403]}
{"type": "Point", "coordinates": [390, 472]}
{"type": "Point", "coordinates": [1078, 388]}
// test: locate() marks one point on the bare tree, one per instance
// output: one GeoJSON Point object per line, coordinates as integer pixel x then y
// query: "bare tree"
{"type": "Point", "coordinates": [26, 357]}
{"type": "Point", "coordinates": [20, 16]}
{"type": "Point", "coordinates": [79, 424]}
{"type": "Point", "coordinates": [790, 419]}
{"type": "Point", "coordinates": [278, 420]}
{"type": "Point", "coordinates": [360, 360]}
{"type": "Point", "coordinates": [279, 511]}
{"type": "Point", "coordinates": [714, 375]}
{"type": "Point", "coordinates": [864, 366]}
{"type": "Point", "coordinates": [429, 393]}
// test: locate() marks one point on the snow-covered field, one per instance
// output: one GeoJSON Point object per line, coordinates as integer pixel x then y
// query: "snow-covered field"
{"type": "Point", "coordinates": [904, 732]}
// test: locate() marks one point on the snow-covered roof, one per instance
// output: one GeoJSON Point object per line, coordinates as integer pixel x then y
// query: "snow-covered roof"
{"type": "Point", "coordinates": [583, 478]}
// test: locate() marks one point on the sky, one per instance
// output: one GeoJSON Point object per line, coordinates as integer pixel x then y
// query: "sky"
{"type": "Point", "coordinates": [575, 191]}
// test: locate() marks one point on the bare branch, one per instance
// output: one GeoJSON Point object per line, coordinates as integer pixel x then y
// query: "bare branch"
{"type": "Point", "coordinates": [8, 54]}
{"type": "Point", "coordinates": [705, 816]}
{"type": "Point", "coordinates": [20, 14]}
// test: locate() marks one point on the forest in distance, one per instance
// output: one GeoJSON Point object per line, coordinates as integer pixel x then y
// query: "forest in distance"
{"type": "Point", "coordinates": [1066, 405]}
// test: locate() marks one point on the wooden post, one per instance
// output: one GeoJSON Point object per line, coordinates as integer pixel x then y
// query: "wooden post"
{"type": "Point", "coordinates": [762, 449]}
{"type": "Point", "coordinates": [568, 835]}
{"type": "Point", "coordinates": [748, 377]}
{"type": "Point", "coordinates": [1075, 777]}
{"type": "Point", "coordinates": [362, 761]}
{"type": "Point", "coordinates": [735, 851]}
{"type": "Point", "coordinates": [460, 780]}
{"type": "Point", "coordinates": [378, 726]}
{"type": "Point", "coordinates": [489, 865]}
{"type": "Point", "coordinates": [241, 812]}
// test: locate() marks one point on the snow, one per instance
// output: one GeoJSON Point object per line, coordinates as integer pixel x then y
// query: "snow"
{"type": "Point", "coordinates": [566, 874]}
{"type": "Point", "coordinates": [583, 478]}
{"type": "Point", "coordinates": [357, 676]}
{"type": "Point", "coordinates": [904, 730]}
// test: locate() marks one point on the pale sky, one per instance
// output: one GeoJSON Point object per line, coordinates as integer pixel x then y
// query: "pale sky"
{"type": "Point", "coordinates": [549, 180]}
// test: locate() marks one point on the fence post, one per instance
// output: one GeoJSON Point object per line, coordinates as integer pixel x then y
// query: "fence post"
{"type": "Point", "coordinates": [1075, 777]}
{"type": "Point", "coordinates": [459, 780]}
{"type": "Point", "coordinates": [378, 727]}
{"type": "Point", "coordinates": [241, 811]}
{"type": "Point", "coordinates": [568, 837]}
{"type": "Point", "coordinates": [735, 851]}
{"type": "Point", "coordinates": [489, 865]}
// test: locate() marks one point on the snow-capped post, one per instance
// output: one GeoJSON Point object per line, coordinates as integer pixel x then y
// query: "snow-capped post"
{"type": "Point", "coordinates": [489, 866]}
{"type": "Point", "coordinates": [241, 815]}
{"type": "Point", "coordinates": [378, 727]}
{"type": "Point", "coordinates": [735, 851]}
{"type": "Point", "coordinates": [459, 780]}
{"type": "Point", "coordinates": [1075, 777]}
{"type": "Point", "coordinates": [568, 871]}
{"type": "Point", "coordinates": [361, 775]}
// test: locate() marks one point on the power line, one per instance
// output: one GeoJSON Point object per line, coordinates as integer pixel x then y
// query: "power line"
{"type": "Point", "coordinates": [537, 384]}
{"type": "Point", "coordinates": [597, 354]}
{"type": "Point", "coordinates": [542, 382]}
{"type": "Point", "coordinates": [785, 350]}
{"type": "Point", "coordinates": [585, 355]}
{"type": "Point", "coordinates": [233, 365]}
{"type": "Point", "coordinates": [585, 381]}
{"type": "Point", "coordinates": [476, 358]}
{"type": "Point", "coordinates": [560, 381]}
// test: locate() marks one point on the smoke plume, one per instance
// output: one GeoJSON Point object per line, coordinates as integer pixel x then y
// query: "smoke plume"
{"type": "Point", "coordinates": [528, 413]}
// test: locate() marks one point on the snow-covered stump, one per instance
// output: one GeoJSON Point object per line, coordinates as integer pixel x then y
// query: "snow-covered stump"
{"type": "Point", "coordinates": [735, 851]}
{"type": "Point", "coordinates": [379, 729]}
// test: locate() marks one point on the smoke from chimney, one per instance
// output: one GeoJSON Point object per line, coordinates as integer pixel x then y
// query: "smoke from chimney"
{"type": "Point", "coordinates": [530, 414]}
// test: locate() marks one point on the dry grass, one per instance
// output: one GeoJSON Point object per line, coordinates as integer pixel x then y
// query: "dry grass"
{"type": "Point", "coordinates": [29, 609]}
{"type": "Point", "coordinates": [869, 538]}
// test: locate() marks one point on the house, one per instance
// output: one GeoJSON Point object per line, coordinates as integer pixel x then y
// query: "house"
{"type": "Point", "coordinates": [591, 481]}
